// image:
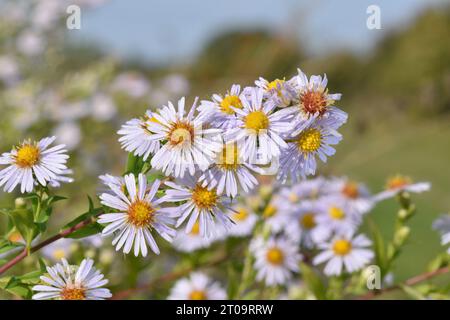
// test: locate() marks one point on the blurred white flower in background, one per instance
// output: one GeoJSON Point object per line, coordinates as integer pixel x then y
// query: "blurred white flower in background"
{"type": "Point", "coordinates": [102, 107]}
{"type": "Point", "coordinates": [30, 43]}
{"type": "Point", "coordinates": [9, 69]}
{"type": "Point", "coordinates": [68, 133]}
{"type": "Point", "coordinates": [131, 83]}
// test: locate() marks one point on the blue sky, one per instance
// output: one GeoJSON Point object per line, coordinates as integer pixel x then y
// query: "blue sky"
{"type": "Point", "coordinates": [166, 31]}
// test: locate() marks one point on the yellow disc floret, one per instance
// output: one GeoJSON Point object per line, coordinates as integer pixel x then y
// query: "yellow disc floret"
{"type": "Point", "coordinates": [314, 101]}
{"type": "Point", "coordinates": [256, 120]}
{"type": "Point", "coordinates": [228, 102]}
{"type": "Point", "coordinates": [275, 84]}
{"type": "Point", "coordinates": [240, 215]}
{"type": "Point", "coordinates": [342, 247]}
{"type": "Point", "coordinates": [269, 211]}
{"type": "Point", "coordinates": [180, 133]}
{"type": "Point", "coordinates": [275, 256]}
{"type": "Point", "coordinates": [140, 213]}
{"type": "Point", "coordinates": [195, 228]}
{"type": "Point", "coordinates": [27, 155]}
{"type": "Point", "coordinates": [309, 140]}
{"type": "Point", "coordinates": [308, 221]}
{"type": "Point", "coordinates": [197, 295]}
{"type": "Point", "coordinates": [398, 181]}
{"type": "Point", "coordinates": [73, 293]}
{"type": "Point", "coordinates": [336, 213]}
{"type": "Point", "coordinates": [350, 190]}
{"type": "Point", "coordinates": [204, 198]}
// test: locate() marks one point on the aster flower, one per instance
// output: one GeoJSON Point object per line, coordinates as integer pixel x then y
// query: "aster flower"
{"type": "Point", "coordinates": [197, 286]}
{"type": "Point", "coordinates": [192, 240]}
{"type": "Point", "coordinates": [302, 225]}
{"type": "Point", "coordinates": [279, 92]}
{"type": "Point", "coordinates": [220, 111]}
{"type": "Point", "coordinates": [398, 184]}
{"type": "Point", "coordinates": [61, 249]}
{"type": "Point", "coordinates": [336, 216]}
{"type": "Point", "coordinates": [344, 253]}
{"type": "Point", "coordinates": [136, 137]}
{"type": "Point", "coordinates": [202, 204]}
{"type": "Point", "coordinates": [443, 226]}
{"type": "Point", "coordinates": [188, 142]}
{"type": "Point", "coordinates": [244, 222]}
{"type": "Point", "coordinates": [355, 194]}
{"type": "Point", "coordinates": [310, 189]}
{"type": "Point", "coordinates": [68, 282]}
{"type": "Point", "coordinates": [139, 214]}
{"type": "Point", "coordinates": [31, 163]}
{"type": "Point", "coordinates": [314, 100]}
{"type": "Point", "coordinates": [314, 138]}
{"type": "Point", "coordinates": [229, 172]}
{"type": "Point", "coordinates": [276, 260]}
{"type": "Point", "coordinates": [259, 130]}
{"type": "Point", "coordinates": [276, 213]}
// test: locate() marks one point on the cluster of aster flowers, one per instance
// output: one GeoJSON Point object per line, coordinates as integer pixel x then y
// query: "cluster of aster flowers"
{"type": "Point", "coordinates": [209, 155]}
{"type": "Point", "coordinates": [211, 152]}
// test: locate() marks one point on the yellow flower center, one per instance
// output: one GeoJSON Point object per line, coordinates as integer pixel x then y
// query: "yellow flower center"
{"type": "Point", "coordinates": [197, 295]}
{"type": "Point", "coordinates": [312, 102]}
{"type": "Point", "coordinates": [350, 190]}
{"type": "Point", "coordinates": [256, 120]}
{"type": "Point", "coordinates": [73, 294]}
{"type": "Point", "coordinates": [240, 215]}
{"type": "Point", "coordinates": [273, 85]}
{"type": "Point", "coordinates": [140, 213]}
{"type": "Point", "coordinates": [309, 140]}
{"type": "Point", "coordinates": [275, 256]}
{"type": "Point", "coordinates": [293, 197]}
{"type": "Point", "coordinates": [336, 213]}
{"type": "Point", "coordinates": [269, 211]}
{"type": "Point", "coordinates": [398, 181]}
{"type": "Point", "coordinates": [342, 247]}
{"type": "Point", "coordinates": [181, 133]}
{"type": "Point", "coordinates": [195, 228]}
{"type": "Point", "coordinates": [204, 198]}
{"type": "Point", "coordinates": [58, 254]}
{"type": "Point", "coordinates": [308, 221]}
{"type": "Point", "coordinates": [228, 102]}
{"type": "Point", "coordinates": [27, 156]}
{"type": "Point", "coordinates": [228, 158]}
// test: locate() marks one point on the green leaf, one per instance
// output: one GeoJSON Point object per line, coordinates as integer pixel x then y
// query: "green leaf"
{"type": "Point", "coordinates": [89, 230]}
{"type": "Point", "coordinates": [412, 293]}
{"type": "Point", "coordinates": [379, 246]}
{"type": "Point", "coordinates": [313, 281]}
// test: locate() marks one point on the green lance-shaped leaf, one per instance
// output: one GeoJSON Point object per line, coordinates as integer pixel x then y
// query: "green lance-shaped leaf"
{"type": "Point", "coordinates": [313, 281]}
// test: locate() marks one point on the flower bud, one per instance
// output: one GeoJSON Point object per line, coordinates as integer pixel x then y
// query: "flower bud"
{"type": "Point", "coordinates": [20, 203]}
{"type": "Point", "coordinates": [401, 235]}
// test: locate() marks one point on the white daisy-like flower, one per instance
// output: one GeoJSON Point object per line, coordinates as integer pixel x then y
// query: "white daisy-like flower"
{"type": "Point", "coordinates": [108, 179]}
{"type": "Point", "coordinates": [229, 172]}
{"type": "Point", "coordinates": [356, 194]}
{"type": "Point", "coordinates": [191, 241]}
{"type": "Point", "coordinates": [278, 92]}
{"type": "Point", "coordinates": [136, 137]}
{"type": "Point", "coordinates": [276, 214]}
{"type": "Point", "coordinates": [259, 130]}
{"type": "Point", "coordinates": [276, 260]}
{"type": "Point", "coordinates": [202, 204]}
{"type": "Point", "coordinates": [33, 162]}
{"type": "Point", "coordinates": [139, 214]}
{"type": "Point", "coordinates": [398, 184]}
{"type": "Point", "coordinates": [68, 282]}
{"type": "Point", "coordinates": [315, 138]}
{"type": "Point", "coordinates": [188, 141]}
{"type": "Point", "coordinates": [443, 226]}
{"type": "Point", "coordinates": [220, 111]}
{"type": "Point", "coordinates": [244, 221]}
{"type": "Point", "coordinates": [61, 249]}
{"type": "Point", "coordinates": [336, 216]}
{"type": "Point", "coordinates": [302, 225]}
{"type": "Point", "coordinates": [310, 189]}
{"type": "Point", "coordinates": [344, 253]}
{"type": "Point", "coordinates": [314, 100]}
{"type": "Point", "coordinates": [197, 286]}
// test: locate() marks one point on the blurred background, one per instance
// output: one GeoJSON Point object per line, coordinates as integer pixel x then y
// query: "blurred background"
{"type": "Point", "coordinates": [81, 85]}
